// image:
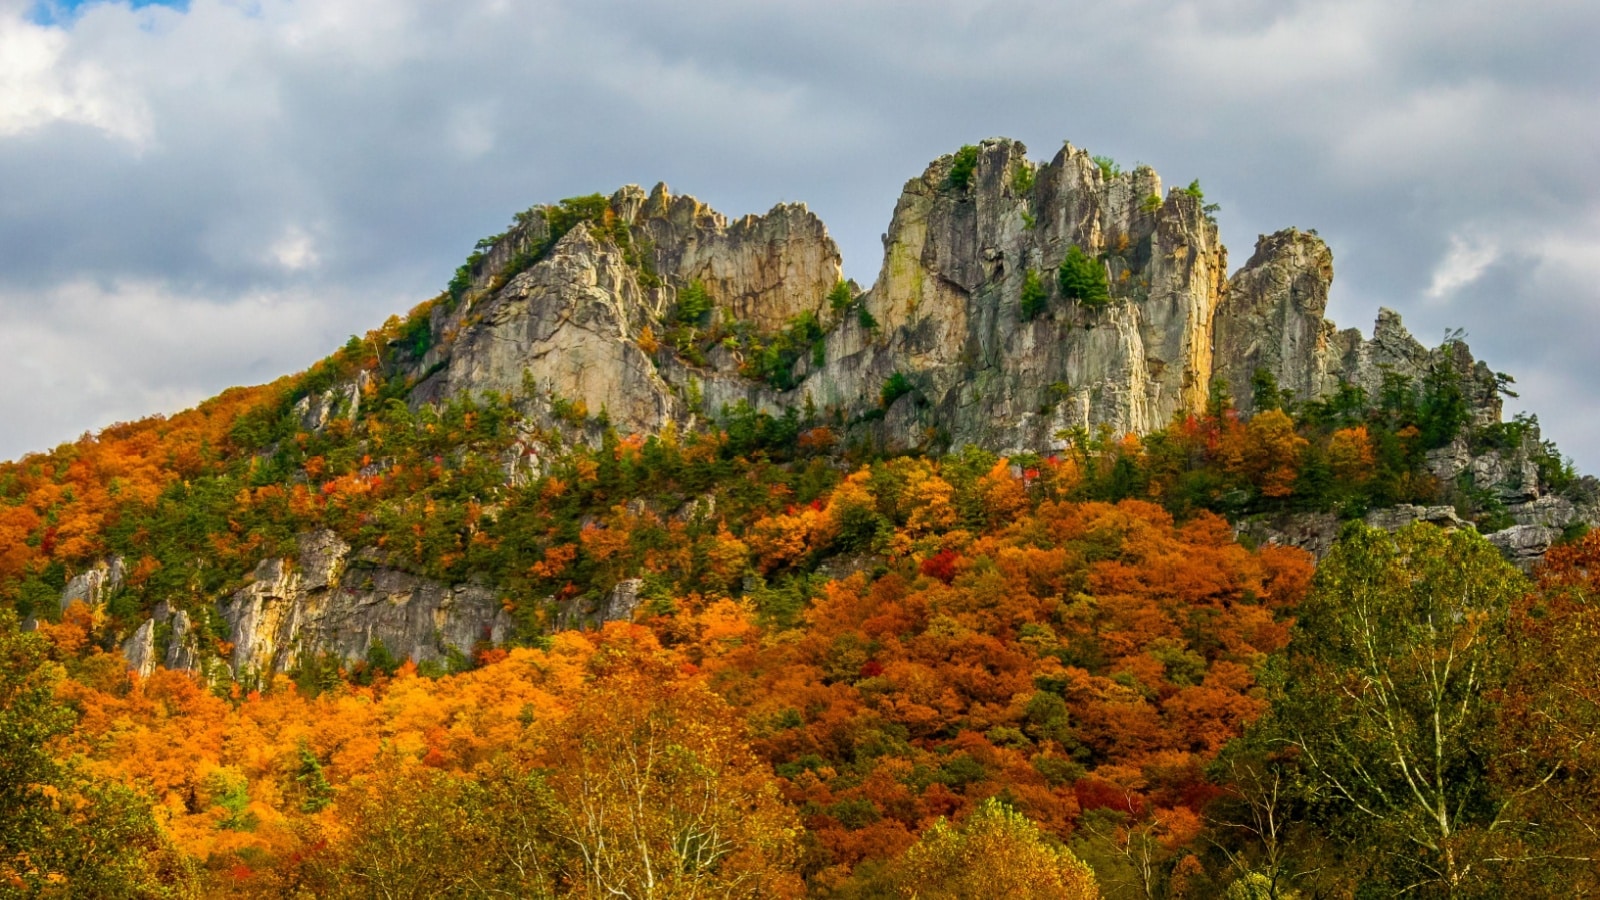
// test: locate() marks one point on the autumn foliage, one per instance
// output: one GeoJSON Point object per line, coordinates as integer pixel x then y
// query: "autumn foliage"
{"type": "Point", "coordinates": [1084, 656]}
{"type": "Point", "coordinates": [847, 675]}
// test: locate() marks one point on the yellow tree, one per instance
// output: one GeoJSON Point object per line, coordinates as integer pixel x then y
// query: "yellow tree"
{"type": "Point", "coordinates": [657, 795]}
{"type": "Point", "coordinates": [997, 852]}
{"type": "Point", "coordinates": [1271, 453]}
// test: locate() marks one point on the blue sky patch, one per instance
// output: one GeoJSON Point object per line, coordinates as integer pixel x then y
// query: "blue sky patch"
{"type": "Point", "coordinates": [65, 12]}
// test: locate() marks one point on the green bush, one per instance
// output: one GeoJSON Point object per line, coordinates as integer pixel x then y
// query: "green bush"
{"type": "Point", "coordinates": [865, 319]}
{"type": "Point", "coordinates": [1083, 279]}
{"type": "Point", "coordinates": [416, 334]}
{"type": "Point", "coordinates": [694, 303]}
{"type": "Point", "coordinates": [773, 359]}
{"type": "Point", "coordinates": [840, 298]}
{"type": "Point", "coordinates": [895, 387]}
{"type": "Point", "coordinates": [1022, 178]}
{"type": "Point", "coordinates": [1034, 300]}
{"type": "Point", "coordinates": [1108, 167]}
{"type": "Point", "coordinates": [966, 163]}
{"type": "Point", "coordinates": [562, 218]}
{"type": "Point", "coordinates": [1209, 209]}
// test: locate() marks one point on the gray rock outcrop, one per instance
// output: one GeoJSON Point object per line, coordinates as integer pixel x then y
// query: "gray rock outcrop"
{"type": "Point", "coordinates": [140, 649]}
{"type": "Point", "coordinates": [764, 270]}
{"type": "Point", "coordinates": [1271, 321]}
{"type": "Point", "coordinates": [577, 328]}
{"type": "Point", "coordinates": [167, 639]}
{"type": "Point", "coordinates": [324, 602]}
{"type": "Point", "coordinates": [95, 584]}
{"type": "Point", "coordinates": [568, 329]}
{"type": "Point", "coordinates": [946, 308]}
{"type": "Point", "coordinates": [580, 330]}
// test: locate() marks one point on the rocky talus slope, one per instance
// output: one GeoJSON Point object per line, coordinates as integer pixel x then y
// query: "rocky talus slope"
{"type": "Point", "coordinates": [590, 315]}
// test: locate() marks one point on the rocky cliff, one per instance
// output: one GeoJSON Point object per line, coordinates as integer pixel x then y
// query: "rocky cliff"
{"type": "Point", "coordinates": [586, 323]}
{"type": "Point", "coordinates": [323, 601]}
{"type": "Point", "coordinates": [645, 311]}
{"type": "Point", "coordinates": [944, 311]}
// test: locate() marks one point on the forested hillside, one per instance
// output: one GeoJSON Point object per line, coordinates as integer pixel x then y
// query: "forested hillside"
{"type": "Point", "coordinates": [830, 655]}
{"type": "Point", "coordinates": [405, 626]}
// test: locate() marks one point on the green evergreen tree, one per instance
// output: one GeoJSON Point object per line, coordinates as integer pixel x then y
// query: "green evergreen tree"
{"type": "Point", "coordinates": [1082, 278]}
{"type": "Point", "coordinates": [1033, 300]}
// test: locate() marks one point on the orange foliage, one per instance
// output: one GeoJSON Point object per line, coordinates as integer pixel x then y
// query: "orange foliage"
{"type": "Point", "coordinates": [81, 486]}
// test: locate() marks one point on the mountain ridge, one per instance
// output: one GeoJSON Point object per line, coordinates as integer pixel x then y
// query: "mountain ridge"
{"type": "Point", "coordinates": [1021, 309]}
{"type": "Point", "coordinates": [945, 308]}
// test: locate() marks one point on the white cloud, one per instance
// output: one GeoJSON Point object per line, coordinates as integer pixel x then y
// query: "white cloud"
{"type": "Point", "coordinates": [39, 85]}
{"type": "Point", "coordinates": [92, 354]}
{"type": "Point", "coordinates": [1463, 264]}
{"type": "Point", "coordinates": [295, 250]}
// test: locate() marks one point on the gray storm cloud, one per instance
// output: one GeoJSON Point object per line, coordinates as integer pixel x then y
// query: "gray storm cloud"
{"type": "Point", "coordinates": [194, 199]}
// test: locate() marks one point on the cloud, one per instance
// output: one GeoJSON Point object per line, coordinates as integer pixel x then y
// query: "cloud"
{"type": "Point", "coordinates": [295, 250]}
{"type": "Point", "coordinates": [128, 350]}
{"type": "Point", "coordinates": [341, 156]}
{"type": "Point", "coordinates": [39, 85]}
{"type": "Point", "coordinates": [1466, 261]}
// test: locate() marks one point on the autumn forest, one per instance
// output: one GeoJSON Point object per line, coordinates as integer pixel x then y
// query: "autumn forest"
{"type": "Point", "coordinates": [849, 674]}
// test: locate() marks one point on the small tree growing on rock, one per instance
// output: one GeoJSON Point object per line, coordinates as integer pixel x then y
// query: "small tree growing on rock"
{"type": "Point", "coordinates": [1083, 279]}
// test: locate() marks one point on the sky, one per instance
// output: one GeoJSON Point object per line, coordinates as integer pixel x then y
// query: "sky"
{"type": "Point", "coordinates": [219, 192]}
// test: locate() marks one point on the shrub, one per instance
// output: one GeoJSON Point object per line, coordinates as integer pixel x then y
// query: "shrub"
{"type": "Point", "coordinates": [1033, 300]}
{"type": "Point", "coordinates": [966, 163]}
{"type": "Point", "coordinates": [461, 281]}
{"type": "Point", "coordinates": [865, 319]}
{"type": "Point", "coordinates": [774, 360]}
{"type": "Point", "coordinates": [840, 298]}
{"type": "Point", "coordinates": [1209, 209]}
{"type": "Point", "coordinates": [562, 218]}
{"type": "Point", "coordinates": [895, 387]}
{"type": "Point", "coordinates": [1083, 279]}
{"type": "Point", "coordinates": [1151, 203]}
{"type": "Point", "coordinates": [1022, 178]}
{"type": "Point", "coordinates": [416, 333]}
{"type": "Point", "coordinates": [647, 340]}
{"type": "Point", "coordinates": [694, 303]}
{"type": "Point", "coordinates": [1108, 167]}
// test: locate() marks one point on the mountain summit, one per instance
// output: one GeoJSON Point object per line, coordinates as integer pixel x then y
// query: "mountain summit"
{"type": "Point", "coordinates": [655, 309]}
{"type": "Point", "coordinates": [616, 372]}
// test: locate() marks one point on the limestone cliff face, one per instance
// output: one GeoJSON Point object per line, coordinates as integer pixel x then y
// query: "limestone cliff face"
{"type": "Point", "coordinates": [567, 327]}
{"type": "Point", "coordinates": [1271, 320]}
{"type": "Point", "coordinates": [764, 270]}
{"type": "Point", "coordinates": [94, 584]}
{"type": "Point", "coordinates": [326, 601]}
{"type": "Point", "coordinates": [580, 324]}
{"type": "Point", "coordinates": [948, 304]}
{"type": "Point", "coordinates": [583, 325]}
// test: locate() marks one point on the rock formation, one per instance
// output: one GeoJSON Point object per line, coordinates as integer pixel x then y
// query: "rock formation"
{"type": "Point", "coordinates": [326, 602]}
{"type": "Point", "coordinates": [945, 312]}
{"type": "Point", "coordinates": [572, 309]}
{"type": "Point", "coordinates": [94, 584]}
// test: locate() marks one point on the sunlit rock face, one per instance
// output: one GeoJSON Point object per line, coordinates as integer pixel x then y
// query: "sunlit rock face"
{"type": "Point", "coordinates": [584, 326]}
{"type": "Point", "coordinates": [966, 337]}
